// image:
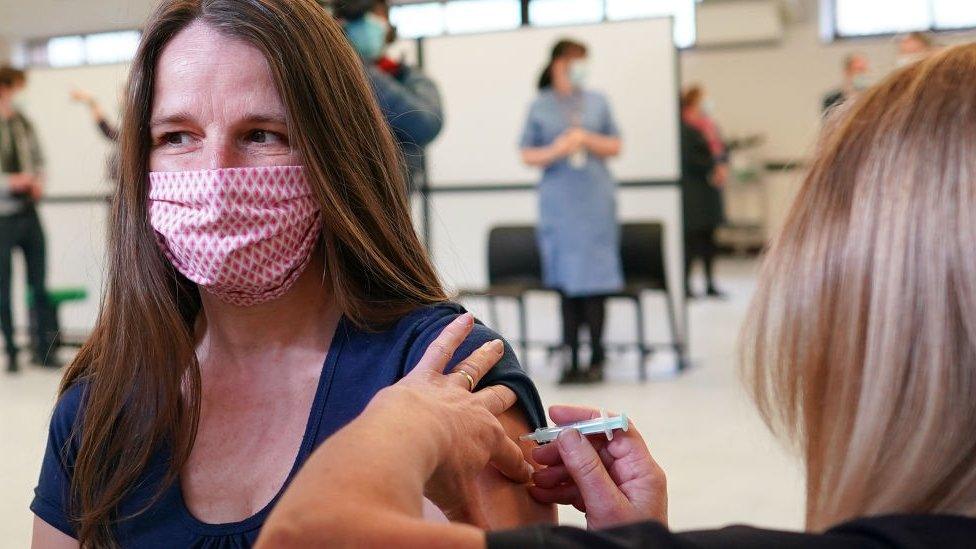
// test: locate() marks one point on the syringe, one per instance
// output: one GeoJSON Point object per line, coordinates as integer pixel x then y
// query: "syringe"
{"type": "Point", "coordinates": [602, 424]}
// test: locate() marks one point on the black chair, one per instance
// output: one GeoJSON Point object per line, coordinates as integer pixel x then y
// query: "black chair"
{"type": "Point", "coordinates": [514, 268]}
{"type": "Point", "coordinates": [643, 258]}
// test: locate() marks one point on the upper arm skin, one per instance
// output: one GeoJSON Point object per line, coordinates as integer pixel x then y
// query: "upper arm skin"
{"type": "Point", "coordinates": [46, 536]}
{"type": "Point", "coordinates": [507, 504]}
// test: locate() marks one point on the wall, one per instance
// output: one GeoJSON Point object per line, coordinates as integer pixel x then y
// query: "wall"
{"type": "Point", "coordinates": [776, 89]}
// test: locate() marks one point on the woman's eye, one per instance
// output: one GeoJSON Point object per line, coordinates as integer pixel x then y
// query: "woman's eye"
{"type": "Point", "coordinates": [176, 138]}
{"type": "Point", "coordinates": [264, 136]}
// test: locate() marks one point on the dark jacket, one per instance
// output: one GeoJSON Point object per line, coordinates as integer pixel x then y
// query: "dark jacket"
{"type": "Point", "coordinates": [702, 202]}
{"type": "Point", "coordinates": [889, 532]}
{"type": "Point", "coordinates": [411, 103]}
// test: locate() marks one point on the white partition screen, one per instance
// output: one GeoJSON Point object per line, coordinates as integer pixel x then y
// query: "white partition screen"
{"type": "Point", "coordinates": [488, 80]}
{"type": "Point", "coordinates": [76, 153]}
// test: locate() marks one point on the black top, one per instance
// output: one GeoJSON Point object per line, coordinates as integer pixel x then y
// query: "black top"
{"type": "Point", "coordinates": [702, 206]}
{"type": "Point", "coordinates": [888, 532]}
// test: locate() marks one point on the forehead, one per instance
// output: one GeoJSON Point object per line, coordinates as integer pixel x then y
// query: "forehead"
{"type": "Point", "coordinates": [202, 69]}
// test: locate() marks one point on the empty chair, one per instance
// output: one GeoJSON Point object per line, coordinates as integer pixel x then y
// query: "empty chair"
{"type": "Point", "coordinates": [514, 268]}
{"type": "Point", "coordinates": [642, 254]}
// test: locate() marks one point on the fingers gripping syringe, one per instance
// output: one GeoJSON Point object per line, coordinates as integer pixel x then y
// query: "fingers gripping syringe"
{"type": "Point", "coordinates": [602, 424]}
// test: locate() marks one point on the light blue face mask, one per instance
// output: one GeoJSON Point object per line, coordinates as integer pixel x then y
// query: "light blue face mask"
{"type": "Point", "coordinates": [367, 36]}
{"type": "Point", "coordinates": [578, 72]}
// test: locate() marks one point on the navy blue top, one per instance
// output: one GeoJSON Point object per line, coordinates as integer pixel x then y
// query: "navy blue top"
{"type": "Point", "coordinates": [358, 365]}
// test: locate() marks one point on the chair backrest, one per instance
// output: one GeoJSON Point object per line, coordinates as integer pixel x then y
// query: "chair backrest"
{"type": "Point", "coordinates": [513, 256]}
{"type": "Point", "coordinates": [642, 254]}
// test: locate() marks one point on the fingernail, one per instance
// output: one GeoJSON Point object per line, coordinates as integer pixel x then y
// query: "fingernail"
{"type": "Point", "coordinates": [529, 471]}
{"type": "Point", "coordinates": [497, 346]}
{"type": "Point", "coordinates": [468, 319]}
{"type": "Point", "coordinates": [569, 438]}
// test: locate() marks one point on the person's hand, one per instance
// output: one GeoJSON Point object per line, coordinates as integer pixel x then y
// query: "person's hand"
{"type": "Point", "coordinates": [614, 482]}
{"type": "Point", "coordinates": [36, 190]}
{"type": "Point", "coordinates": [464, 424]}
{"type": "Point", "coordinates": [720, 175]}
{"type": "Point", "coordinates": [21, 182]}
{"type": "Point", "coordinates": [82, 96]}
{"type": "Point", "coordinates": [569, 142]}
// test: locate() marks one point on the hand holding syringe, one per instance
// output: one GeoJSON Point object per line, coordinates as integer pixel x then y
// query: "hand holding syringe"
{"type": "Point", "coordinates": [602, 424]}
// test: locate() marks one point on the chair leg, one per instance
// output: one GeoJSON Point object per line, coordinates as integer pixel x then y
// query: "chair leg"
{"type": "Point", "coordinates": [523, 341]}
{"type": "Point", "coordinates": [493, 313]}
{"type": "Point", "coordinates": [676, 340]}
{"type": "Point", "coordinates": [642, 347]}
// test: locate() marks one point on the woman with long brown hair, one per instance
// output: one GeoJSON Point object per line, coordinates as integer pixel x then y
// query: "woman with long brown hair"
{"type": "Point", "coordinates": [860, 350]}
{"type": "Point", "coordinates": [264, 281]}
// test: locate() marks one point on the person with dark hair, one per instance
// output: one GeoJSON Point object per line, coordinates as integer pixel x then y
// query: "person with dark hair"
{"type": "Point", "coordinates": [410, 101]}
{"type": "Point", "coordinates": [21, 185]}
{"type": "Point", "coordinates": [702, 207]}
{"type": "Point", "coordinates": [263, 282]}
{"type": "Point", "coordinates": [570, 133]}
{"type": "Point", "coordinates": [855, 81]}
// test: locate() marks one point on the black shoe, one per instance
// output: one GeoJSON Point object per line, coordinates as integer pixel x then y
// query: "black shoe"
{"type": "Point", "coordinates": [12, 362]}
{"type": "Point", "coordinates": [594, 374]}
{"type": "Point", "coordinates": [48, 360]}
{"type": "Point", "coordinates": [714, 292]}
{"type": "Point", "coordinates": [572, 377]}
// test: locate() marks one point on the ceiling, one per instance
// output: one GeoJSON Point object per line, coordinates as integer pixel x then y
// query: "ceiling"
{"type": "Point", "coordinates": [41, 18]}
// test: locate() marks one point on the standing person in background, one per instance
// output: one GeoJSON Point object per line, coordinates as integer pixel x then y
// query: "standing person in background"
{"type": "Point", "coordinates": [570, 133]}
{"type": "Point", "coordinates": [914, 47]}
{"type": "Point", "coordinates": [701, 179]}
{"type": "Point", "coordinates": [855, 81]}
{"type": "Point", "coordinates": [410, 101]}
{"type": "Point", "coordinates": [21, 185]}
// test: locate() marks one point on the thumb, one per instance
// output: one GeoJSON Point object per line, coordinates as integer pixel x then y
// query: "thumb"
{"type": "Point", "coordinates": [600, 494]}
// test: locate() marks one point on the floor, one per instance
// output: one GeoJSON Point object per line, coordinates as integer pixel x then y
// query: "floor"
{"type": "Point", "coordinates": [723, 467]}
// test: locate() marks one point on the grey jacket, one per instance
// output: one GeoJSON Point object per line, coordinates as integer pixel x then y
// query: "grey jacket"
{"type": "Point", "coordinates": [30, 157]}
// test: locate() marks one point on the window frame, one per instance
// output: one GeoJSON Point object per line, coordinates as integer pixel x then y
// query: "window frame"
{"type": "Point", "coordinates": [829, 32]}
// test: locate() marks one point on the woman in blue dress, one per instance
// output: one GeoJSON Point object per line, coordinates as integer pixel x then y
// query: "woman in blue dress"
{"type": "Point", "coordinates": [570, 133]}
{"type": "Point", "coordinates": [264, 282]}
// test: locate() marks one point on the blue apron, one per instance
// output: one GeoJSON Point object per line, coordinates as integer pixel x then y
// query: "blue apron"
{"type": "Point", "coordinates": [578, 231]}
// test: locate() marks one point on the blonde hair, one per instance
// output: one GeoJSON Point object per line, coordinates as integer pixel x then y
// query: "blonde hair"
{"type": "Point", "coordinates": [860, 345]}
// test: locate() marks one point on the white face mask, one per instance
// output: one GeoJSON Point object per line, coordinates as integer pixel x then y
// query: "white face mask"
{"type": "Point", "coordinates": [708, 107]}
{"type": "Point", "coordinates": [578, 72]}
{"type": "Point", "coordinates": [860, 82]}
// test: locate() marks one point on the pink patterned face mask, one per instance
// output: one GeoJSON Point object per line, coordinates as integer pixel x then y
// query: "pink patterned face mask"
{"type": "Point", "coordinates": [243, 234]}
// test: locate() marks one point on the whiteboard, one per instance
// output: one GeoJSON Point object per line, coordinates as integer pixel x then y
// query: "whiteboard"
{"type": "Point", "coordinates": [76, 153]}
{"type": "Point", "coordinates": [488, 80]}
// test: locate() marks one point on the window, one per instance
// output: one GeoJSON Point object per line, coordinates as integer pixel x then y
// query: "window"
{"type": "Point", "coordinates": [565, 12]}
{"type": "Point", "coordinates": [74, 51]}
{"type": "Point", "coordinates": [683, 12]}
{"type": "Point", "coordinates": [953, 14]}
{"type": "Point", "coordinates": [433, 18]}
{"type": "Point", "coordinates": [483, 15]}
{"type": "Point", "coordinates": [416, 20]}
{"type": "Point", "coordinates": [871, 17]}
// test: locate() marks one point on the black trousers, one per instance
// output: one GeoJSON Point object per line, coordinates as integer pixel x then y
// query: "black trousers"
{"type": "Point", "coordinates": [23, 230]}
{"type": "Point", "coordinates": [583, 311]}
{"type": "Point", "coordinates": [700, 244]}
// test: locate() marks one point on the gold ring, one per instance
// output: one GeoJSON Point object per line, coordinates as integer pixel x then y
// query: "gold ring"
{"type": "Point", "coordinates": [468, 377]}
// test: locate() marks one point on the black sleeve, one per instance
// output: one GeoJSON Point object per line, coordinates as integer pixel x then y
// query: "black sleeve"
{"type": "Point", "coordinates": [653, 535]}
{"type": "Point", "coordinates": [107, 130]}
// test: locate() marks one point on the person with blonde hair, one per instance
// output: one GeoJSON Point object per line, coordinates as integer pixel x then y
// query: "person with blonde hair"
{"type": "Point", "coordinates": [860, 349]}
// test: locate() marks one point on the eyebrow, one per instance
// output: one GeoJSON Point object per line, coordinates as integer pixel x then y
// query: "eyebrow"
{"type": "Point", "coordinates": [184, 117]}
